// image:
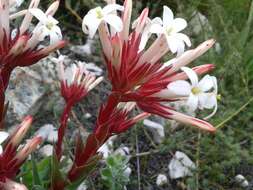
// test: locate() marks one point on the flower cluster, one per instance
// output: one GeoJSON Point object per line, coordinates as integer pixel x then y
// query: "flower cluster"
{"type": "Point", "coordinates": [10, 158]}
{"type": "Point", "coordinates": [138, 77]}
{"type": "Point", "coordinates": [136, 71]}
{"type": "Point", "coordinates": [19, 46]}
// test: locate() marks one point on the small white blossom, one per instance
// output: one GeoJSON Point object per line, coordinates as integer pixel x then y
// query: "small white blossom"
{"type": "Point", "coordinates": [98, 15]}
{"type": "Point", "coordinates": [170, 28]}
{"type": "Point", "coordinates": [3, 137]}
{"type": "Point", "coordinates": [201, 94]}
{"type": "Point", "coordinates": [47, 26]}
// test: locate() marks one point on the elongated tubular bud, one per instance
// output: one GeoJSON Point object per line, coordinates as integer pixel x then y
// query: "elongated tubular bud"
{"type": "Point", "coordinates": [19, 46]}
{"type": "Point", "coordinates": [191, 121]}
{"type": "Point", "coordinates": [200, 70]}
{"type": "Point", "coordinates": [141, 22]}
{"type": "Point", "coordinates": [12, 185]}
{"type": "Point", "coordinates": [18, 14]}
{"type": "Point", "coordinates": [25, 152]}
{"type": "Point", "coordinates": [4, 17]}
{"type": "Point", "coordinates": [47, 50]}
{"type": "Point", "coordinates": [94, 83]}
{"type": "Point", "coordinates": [167, 112]}
{"type": "Point", "coordinates": [53, 8]}
{"type": "Point", "coordinates": [126, 18]}
{"type": "Point", "coordinates": [157, 50]}
{"type": "Point", "coordinates": [21, 131]}
{"type": "Point", "coordinates": [190, 55]}
{"type": "Point", "coordinates": [116, 51]}
{"type": "Point", "coordinates": [129, 123]}
{"type": "Point", "coordinates": [105, 40]}
{"type": "Point", "coordinates": [28, 17]}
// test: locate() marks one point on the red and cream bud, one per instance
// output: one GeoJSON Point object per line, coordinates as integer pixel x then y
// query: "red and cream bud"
{"type": "Point", "coordinates": [28, 17]}
{"type": "Point", "coordinates": [12, 185]}
{"type": "Point", "coordinates": [200, 70]}
{"type": "Point", "coordinates": [30, 147]}
{"type": "Point", "coordinates": [142, 20]}
{"type": "Point", "coordinates": [191, 121]}
{"type": "Point", "coordinates": [76, 81]}
{"type": "Point", "coordinates": [116, 51]}
{"type": "Point", "coordinates": [21, 131]}
{"type": "Point", "coordinates": [105, 40]}
{"type": "Point", "coordinates": [19, 46]}
{"type": "Point", "coordinates": [53, 8]}
{"type": "Point", "coordinates": [126, 18]}
{"type": "Point", "coordinates": [190, 55]}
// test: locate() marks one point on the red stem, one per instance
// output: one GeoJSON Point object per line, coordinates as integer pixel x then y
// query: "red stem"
{"type": "Point", "coordinates": [63, 126]}
{"type": "Point", "coordinates": [98, 137]}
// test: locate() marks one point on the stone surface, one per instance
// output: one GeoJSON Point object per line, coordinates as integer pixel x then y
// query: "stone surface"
{"type": "Point", "coordinates": [241, 180]}
{"type": "Point", "coordinates": [156, 129]}
{"type": "Point", "coordinates": [161, 180]}
{"type": "Point", "coordinates": [48, 132]}
{"type": "Point", "coordinates": [107, 148]}
{"type": "Point", "coordinates": [26, 88]}
{"type": "Point", "coordinates": [180, 166]}
{"type": "Point", "coordinates": [199, 22]}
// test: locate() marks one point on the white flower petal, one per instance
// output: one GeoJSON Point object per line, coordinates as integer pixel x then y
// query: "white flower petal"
{"type": "Point", "coordinates": [156, 29]}
{"type": "Point", "coordinates": [3, 136]}
{"type": "Point", "coordinates": [1, 149]}
{"type": "Point", "coordinates": [90, 25]}
{"type": "Point", "coordinates": [207, 100]}
{"type": "Point", "coordinates": [111, 8]}
{"type": "Point", "coordinates": [206, 83]}
{"type": "Point", "coordinates": [184, 38]}
{"type": "Point", "coordinates": [168, 16]}
{"type": "Point", "coordinates": [192, 102]}
{"type": "Point", "coordinates": [172, 43]}
{"type": "Point", "coordinates": [55, 36]}
{"type": "Point", "coordinates": [180, 47]}
{"type": "Point", "coordinates": [39, 14]}
{"type": "Point", "coordinates": [52, 20]}
{"type": "Point", "coordinates": [115, 22]}
{"type": "Point", "coordinates": [215, 85]}
{"type": "Point", "coordinates": [144, 39]}
{"type": "Point", "coordinates": [180, 87]}
{"type": "Point", "coordinates": [179, 24]}
{"type": "Point", "coordinates": [191, 75]}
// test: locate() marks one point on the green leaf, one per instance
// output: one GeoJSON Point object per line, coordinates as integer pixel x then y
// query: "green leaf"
{"type": "Point", "coordinates": [36, 177]}
{"type": "Point", "coordinates": [57, 177]}
{"type": "Point", "coordinates": [106, 173]}
{"type": "Point", "coordinates": [85, 171]}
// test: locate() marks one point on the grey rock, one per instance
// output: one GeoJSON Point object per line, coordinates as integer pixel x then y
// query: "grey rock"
{"type": "Point", "coordinates": [180, 166]}
{"type": "Point", "coordinates": [27, 87]}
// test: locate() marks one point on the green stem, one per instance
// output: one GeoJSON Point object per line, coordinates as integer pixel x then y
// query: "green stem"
{"type": "Point", "coordinates": [220, 125]}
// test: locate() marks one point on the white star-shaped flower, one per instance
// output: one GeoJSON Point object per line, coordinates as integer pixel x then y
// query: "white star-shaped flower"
{"type": "Point", "coordinates": [47, 26]}
{"type": "Point", "coordinates": [170, 27]}
{"type": "Point", "coordinates": [3, 137]}
{"type": "Point", "coordinates": [201, 94]}
{"type": "Point", "coordinates": [98, 15]}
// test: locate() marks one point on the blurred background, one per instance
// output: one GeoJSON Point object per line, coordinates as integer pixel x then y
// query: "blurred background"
{"type": "Point", "coordinates": [219, 158]}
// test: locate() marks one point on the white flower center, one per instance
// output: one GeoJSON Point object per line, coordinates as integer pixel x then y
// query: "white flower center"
{"type": "Point", "coordinates": [169, 30]}
{"type": "Point", "coordinates": [99, 13]}
{"type": "Point", "coordinates": [196, 90]}
{"type": "Point", "coordinates": [50, 25]}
